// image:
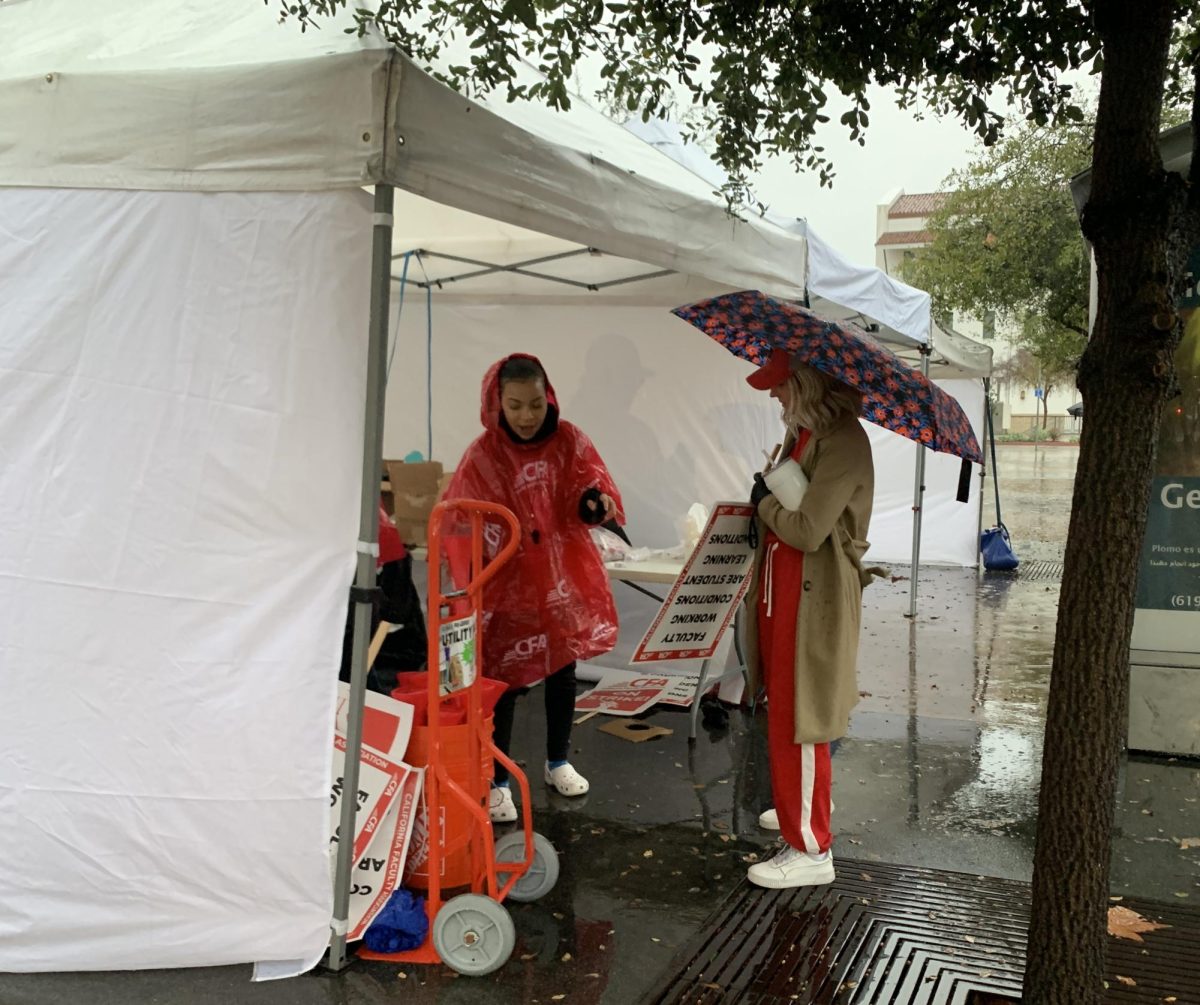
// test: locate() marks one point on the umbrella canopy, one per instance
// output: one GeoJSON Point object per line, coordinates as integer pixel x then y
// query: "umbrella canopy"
{"type": "Point", "coordinates": [1076, 410]}
{"type": "Point", "coordinates": [753, 325]}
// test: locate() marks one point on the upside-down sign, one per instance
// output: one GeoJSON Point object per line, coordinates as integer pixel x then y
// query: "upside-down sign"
{"type": "Point", "coordinates": [704, 598]}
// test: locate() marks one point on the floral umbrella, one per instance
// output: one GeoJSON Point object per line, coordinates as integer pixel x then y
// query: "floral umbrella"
{"type": "Point", "coordinates": [752, 325]}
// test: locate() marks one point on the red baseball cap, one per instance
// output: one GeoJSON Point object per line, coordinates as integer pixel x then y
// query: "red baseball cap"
{"type": "Point", "coordinates": [777, 369]}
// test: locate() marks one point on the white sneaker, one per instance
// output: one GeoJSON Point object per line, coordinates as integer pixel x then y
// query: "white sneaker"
{"type": "Point", "coordinates": [768, 820]}
{"type": "Point", "coordinates": [501, 807]}
{"type": "Point", "coordinates": [566, 781]}
{"type": "Point", "coordinates": [793, 867]}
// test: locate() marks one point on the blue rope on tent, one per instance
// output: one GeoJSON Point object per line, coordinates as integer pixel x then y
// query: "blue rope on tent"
{"type": "Point", "coordinates": [429, 367]}
{"type": "Point", "coordinates": [399, 310]}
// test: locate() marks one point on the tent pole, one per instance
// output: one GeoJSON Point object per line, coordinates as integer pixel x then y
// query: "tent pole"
{"type": "Point", "coordinates": [918, 503]}
{"type": "Point", "coordinates": [368, 547]}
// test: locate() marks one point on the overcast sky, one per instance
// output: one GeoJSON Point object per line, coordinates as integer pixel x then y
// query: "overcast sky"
{"type": "Point", "coordinates": [901, 152]}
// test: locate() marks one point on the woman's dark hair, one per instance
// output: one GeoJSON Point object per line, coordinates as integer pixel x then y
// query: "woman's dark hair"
{"type": "Point", "coordinates": [521, 368]}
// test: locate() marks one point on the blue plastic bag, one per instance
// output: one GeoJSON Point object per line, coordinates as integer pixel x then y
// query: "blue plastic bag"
{"type": "Point", "coordinates": [996, 547]}
{"type": "Point", "coordinates": [401, 925]}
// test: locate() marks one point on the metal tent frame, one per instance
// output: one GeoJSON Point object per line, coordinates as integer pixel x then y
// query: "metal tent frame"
{"type": "Point", "coordinates": [363, 590]}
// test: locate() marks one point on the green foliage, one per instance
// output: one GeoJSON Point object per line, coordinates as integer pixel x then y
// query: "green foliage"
{"type": "Point", "coordinates": [759, 73]}
{"type": "Point", "coordinates": [1006, 242]}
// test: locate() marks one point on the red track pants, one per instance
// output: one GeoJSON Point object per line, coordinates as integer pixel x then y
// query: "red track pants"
{"type": "Point", "coordinates": [801, 775]}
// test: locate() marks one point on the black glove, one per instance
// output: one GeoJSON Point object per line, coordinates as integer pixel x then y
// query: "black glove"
{"type": "Point", "coordinates": [759, 492]}
{"type": "Point", "coordinates": [591, 509]}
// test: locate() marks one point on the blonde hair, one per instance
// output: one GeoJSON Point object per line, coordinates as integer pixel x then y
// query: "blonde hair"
{"type": "Point", "coordinates": [818, 401]}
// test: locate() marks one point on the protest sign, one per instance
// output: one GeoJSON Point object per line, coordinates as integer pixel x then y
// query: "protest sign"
{"type": "Point", "coordinates": [623, 694]}
{"type": "Point", "coordinates": [701, 604]}
{"type": "Point", "coordinates": [387, 723]}
{"type": "Point", "coordinates": [388, 798]}
{"type": "Point", "coordinates": [378, 872]}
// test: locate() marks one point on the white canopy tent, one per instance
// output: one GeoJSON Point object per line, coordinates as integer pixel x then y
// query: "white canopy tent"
{"type": "Point", "coordinates": [186, 275]}
{"type": "Point", "coordinates": [471, 289]}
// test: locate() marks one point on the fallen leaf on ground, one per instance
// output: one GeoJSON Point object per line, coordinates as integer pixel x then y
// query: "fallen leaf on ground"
{"type": "Point", "coordinates": [865, 877]}
{"type": "Point", "coordinates": [1180, 893]}
{"type": "Point", "coordinates": [566, 957]}
{"type": "Point", "coordinates": [1129, 982]}
{"type": "Point", "coordinates": [647, 854]}
{"type": "Point", "coordinates": [969, 938]}
{"type": "Point", "coordinates": [526, 957]}
{"type": "Point", "coordinates": [1187, 843]}
{"type": "Point", "coordinates": [1127, 924]}
{"type": "Point", "coordinates": [557, 998]}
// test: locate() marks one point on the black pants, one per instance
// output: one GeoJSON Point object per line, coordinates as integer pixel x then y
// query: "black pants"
{"type": "Point", "coordinates": [560, 710]}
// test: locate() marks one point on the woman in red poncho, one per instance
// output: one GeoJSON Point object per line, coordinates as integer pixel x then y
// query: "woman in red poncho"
{"type": "Point", "coordinates": [552, 604]}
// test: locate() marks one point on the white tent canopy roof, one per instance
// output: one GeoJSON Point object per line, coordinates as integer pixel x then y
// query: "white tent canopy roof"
{"type": "Point", "coordinates": [467, 258]}
{"type": "Point", "coordinates": [218, 96]}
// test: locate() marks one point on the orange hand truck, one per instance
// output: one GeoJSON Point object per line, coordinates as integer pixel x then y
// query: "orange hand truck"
{"type": "Point", "coordinates": [471, 932]}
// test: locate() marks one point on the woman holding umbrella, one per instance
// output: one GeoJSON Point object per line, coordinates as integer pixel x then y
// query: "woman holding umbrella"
{"type": "Point", "coordinates": [806, 602]}
{"type": "Point", "coordinates": [806, 596]}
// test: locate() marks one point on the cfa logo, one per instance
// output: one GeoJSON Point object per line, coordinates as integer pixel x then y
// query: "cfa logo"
{"type": "Point", "coordinates": [493, 534]}
{"type": "Point", "coordinates": [534, 471]}
{"type": "Point", "coordinates": [527, 647]}
{"type": "Point", "coordinates": [560, 594]}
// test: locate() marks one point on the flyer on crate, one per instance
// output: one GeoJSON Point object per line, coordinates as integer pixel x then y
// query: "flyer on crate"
{"type": "Point", "coordinates": [457, 663]}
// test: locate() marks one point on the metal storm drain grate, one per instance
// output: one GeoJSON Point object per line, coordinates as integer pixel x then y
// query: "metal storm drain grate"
{"type": "Point", "coordinates": [1041, 570]}
{"type": "Point", "coordinates": [896, 935]}
{"type": "Point", "coordinates": [1048, 571]}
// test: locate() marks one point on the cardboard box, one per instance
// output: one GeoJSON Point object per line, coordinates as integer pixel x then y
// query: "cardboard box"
{"type": "Point", "coordinates": [414, 490]}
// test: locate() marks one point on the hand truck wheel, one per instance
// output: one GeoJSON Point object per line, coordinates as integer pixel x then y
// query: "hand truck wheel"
{"type": "Point", "coordinates": [542, 874]}
{"type": "Point", "coordinates": [473, 934]}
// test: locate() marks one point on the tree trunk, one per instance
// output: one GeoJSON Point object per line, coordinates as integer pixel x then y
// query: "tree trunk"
{"type": "Point", "coordinates": [1125, 378]}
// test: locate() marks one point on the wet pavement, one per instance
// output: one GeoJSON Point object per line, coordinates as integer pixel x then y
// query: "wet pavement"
{"type": "Point", "coordinates": [1035, 497]}
{"type": "Point", "coordinates": [940, 769]}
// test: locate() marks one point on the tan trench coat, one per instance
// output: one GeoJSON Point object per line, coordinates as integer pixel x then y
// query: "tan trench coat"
{"type": "Point", "coordinates": [830, 527]}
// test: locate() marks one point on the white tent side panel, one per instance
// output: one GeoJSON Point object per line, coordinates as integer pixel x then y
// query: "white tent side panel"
{"type": "Point", "coordinates": [950, 529]}
{"type": "Point", "coordinates": [667, 408]}
{"type": "Point", "coordinates": [181, 401]}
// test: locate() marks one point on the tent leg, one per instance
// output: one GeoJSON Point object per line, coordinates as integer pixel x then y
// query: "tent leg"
{"type": "Point", "coordinates": [364, 579]}
{"type": "Point", "coordinates": [918, 507]}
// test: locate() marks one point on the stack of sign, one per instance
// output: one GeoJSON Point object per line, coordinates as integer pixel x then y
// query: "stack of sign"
{"type": "Point", "coordinates": [388, 801]}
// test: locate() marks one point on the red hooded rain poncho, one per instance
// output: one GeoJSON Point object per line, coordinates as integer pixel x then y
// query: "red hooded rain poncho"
{"type": "Point", "coordinates": [552, 603]}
